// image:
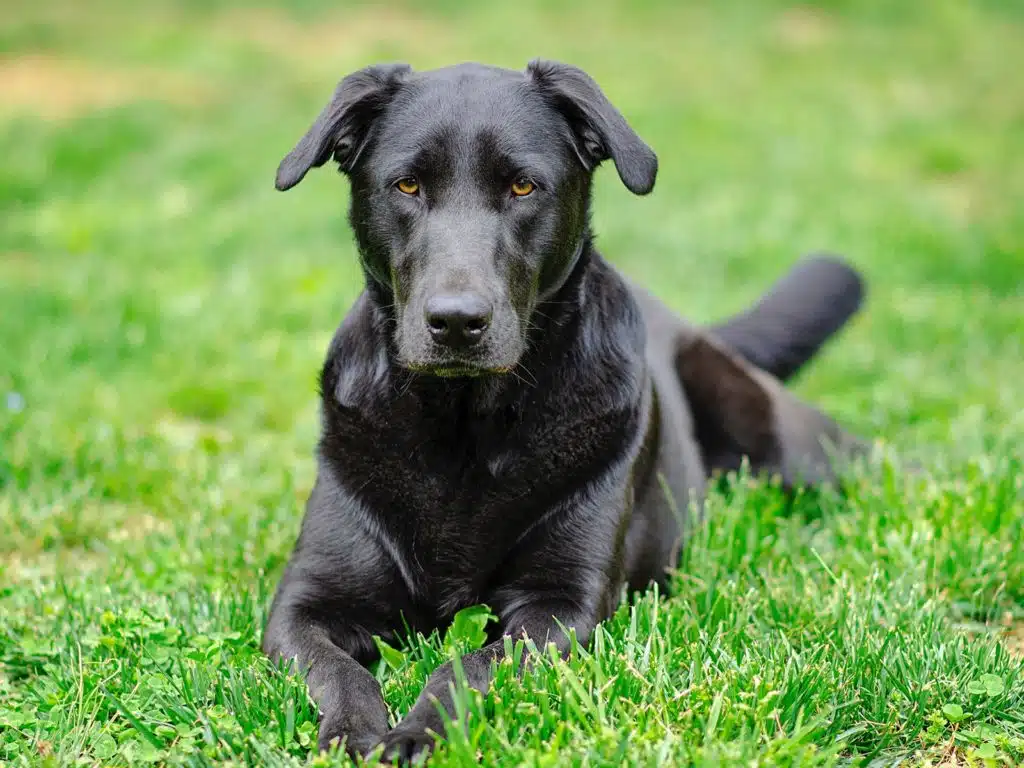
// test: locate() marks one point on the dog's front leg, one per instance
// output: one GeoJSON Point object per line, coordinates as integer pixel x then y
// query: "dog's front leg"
{"type": "Point", "coordinates": [539, 621]}
{"type": "Point", "coordinates": [349, 698]}
{"type": "Point", "coordinates": [336, 593]}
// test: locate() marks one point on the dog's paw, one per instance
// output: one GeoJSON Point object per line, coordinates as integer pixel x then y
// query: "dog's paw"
{"type": "Point", "coordinates": [358, 741]}
{"type": "Point", "coordinates": [355, 744]}
{"type": "Point", "coordinates": [407, 743]}
{"type": "Point", "coordinates": [353, 715]}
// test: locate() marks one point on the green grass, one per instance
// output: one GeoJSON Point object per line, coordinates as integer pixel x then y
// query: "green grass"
{"type": "Point", "coordinates": [163, 314]}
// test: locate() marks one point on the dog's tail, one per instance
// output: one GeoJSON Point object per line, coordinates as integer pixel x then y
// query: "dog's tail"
{"type": "Point", "coordinates": [796, 316]}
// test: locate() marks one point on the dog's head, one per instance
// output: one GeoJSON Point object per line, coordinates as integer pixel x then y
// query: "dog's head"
{"type": "Point", "coordinates": [470, 196]}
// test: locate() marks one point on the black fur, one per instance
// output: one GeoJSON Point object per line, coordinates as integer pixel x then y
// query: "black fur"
{"type": "Point", "coordinates": [554, 461]}
{"type": "Point", "coordinates": [798, 314]}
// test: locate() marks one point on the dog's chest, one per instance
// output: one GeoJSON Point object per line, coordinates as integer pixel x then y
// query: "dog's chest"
{"type": "Point", "coordinates": [452, 503]}
{"type": "Point", "coordinates": [455, 533]}
{"type": "Point", "coordinates": [455, 488]}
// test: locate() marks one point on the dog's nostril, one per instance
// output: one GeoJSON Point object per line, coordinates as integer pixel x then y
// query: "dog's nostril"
{"type": "Point", "coordinates": [477, 324]}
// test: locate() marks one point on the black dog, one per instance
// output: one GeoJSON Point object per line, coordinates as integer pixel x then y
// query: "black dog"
{"type": "Point", "coordinates": [506, 420]}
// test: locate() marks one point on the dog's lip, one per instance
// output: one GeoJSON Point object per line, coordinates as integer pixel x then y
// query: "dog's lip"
{"type": "Point", "coordinates": [455, 368]}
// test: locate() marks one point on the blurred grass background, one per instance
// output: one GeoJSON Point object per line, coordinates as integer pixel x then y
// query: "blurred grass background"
{"type": "Point", "coordinates": [164, 312]}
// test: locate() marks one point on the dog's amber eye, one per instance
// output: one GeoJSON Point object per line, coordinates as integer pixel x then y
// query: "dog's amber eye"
{"type": "Point", "coordinates": [408, 186]}
{"type": "Point", "coordinates": [522, 187]}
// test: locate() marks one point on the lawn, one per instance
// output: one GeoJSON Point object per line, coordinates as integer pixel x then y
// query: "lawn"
{"type": "Point", "coordinates": [164, 312]}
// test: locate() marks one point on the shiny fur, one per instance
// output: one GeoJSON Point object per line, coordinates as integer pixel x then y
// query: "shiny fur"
{"type": "Point", "coordinates": [561, 459]}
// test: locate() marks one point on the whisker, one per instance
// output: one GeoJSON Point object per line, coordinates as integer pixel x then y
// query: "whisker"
{"type": "Point", "coordinates": [533, 379]}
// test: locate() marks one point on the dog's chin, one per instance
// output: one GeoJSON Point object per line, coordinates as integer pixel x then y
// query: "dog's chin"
{"type": "Point", "coordinates": [474, 362]}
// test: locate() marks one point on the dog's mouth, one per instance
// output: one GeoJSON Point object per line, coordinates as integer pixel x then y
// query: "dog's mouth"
{"type": "Point", "coordinates": [453, 370]}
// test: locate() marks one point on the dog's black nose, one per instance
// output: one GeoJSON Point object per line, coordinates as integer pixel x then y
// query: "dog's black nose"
{"type": "Point", "coordinates": [457, 319]}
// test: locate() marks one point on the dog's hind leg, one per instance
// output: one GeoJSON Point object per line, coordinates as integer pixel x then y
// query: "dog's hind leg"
{"type": "Point", "coordinates": [792, 321]}
{"type": "Point", "coordinates": [734, 408]}
{"type": "Point", "coordinates": [740, 411]}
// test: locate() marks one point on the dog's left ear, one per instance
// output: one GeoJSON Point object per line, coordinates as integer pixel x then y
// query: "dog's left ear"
{"type": "Point", "coordinates": [343, 125]}
{"type": "Point", "coordinates": [600, 129]}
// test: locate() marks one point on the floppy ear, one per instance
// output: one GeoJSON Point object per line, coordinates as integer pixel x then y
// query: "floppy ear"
{"type": "Point", "coordinates": [343, 125]}
{"type": "Point", "coordinates": [740, 411]}
{"type": "Point", "coordinates": [600, 129]}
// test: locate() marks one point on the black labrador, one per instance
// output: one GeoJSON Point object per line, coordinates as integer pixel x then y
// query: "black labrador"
{"type": "Point", "coordinates": [506, 419]}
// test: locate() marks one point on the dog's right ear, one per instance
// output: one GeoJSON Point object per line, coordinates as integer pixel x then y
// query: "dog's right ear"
{"type": "Point", "coordinates": [343, 125]}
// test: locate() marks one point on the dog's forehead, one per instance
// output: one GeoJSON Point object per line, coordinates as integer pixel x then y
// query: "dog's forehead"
{"type": "Point", "coordinates": [470, 88]}
{"type": "Point", "coordinates": [457, 105]}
